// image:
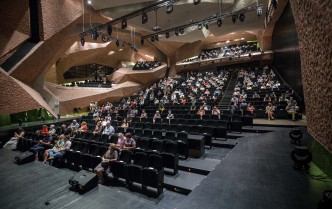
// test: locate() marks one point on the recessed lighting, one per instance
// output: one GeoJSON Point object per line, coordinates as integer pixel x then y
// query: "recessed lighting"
{"type": "Point", "coordinates": [227, 41]}
{"type": "Point", "coordinates": [111, 52]}
{"type": "Point", "coordinates": [120, 50]}
{"type": "Point", "coordinates": [232, 33]}
{"type": "Point", "coordinates": [242, 38]}
{"type": "Point", "coordinates": [89, 2]}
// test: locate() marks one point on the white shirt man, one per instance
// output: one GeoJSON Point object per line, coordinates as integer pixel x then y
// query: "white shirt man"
{"type": "Point", "coordinates": [108, 130]}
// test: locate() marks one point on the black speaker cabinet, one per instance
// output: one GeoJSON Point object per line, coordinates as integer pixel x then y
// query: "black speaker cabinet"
{"type": "Point", "coordinates": [83, 181]}
{"type": "Point", "coordinates": [24, 157]}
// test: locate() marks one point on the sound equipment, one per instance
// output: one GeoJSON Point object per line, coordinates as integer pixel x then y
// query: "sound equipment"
{"type": "Point", "coordinates": [25, 157]}
{"type": "Point", "coordinates": [83, 181]}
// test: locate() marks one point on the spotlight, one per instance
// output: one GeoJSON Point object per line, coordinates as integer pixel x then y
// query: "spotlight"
{"type": "Point", "coordinates": [109, 30]}
{"type": "Point", "coordinates": [176, 32]}
{"type": "Point", "coordinates": [144, 18]}
{"type": "Point", "coordinates": [117, 43]}
{"type": "Point", "coordinates": [124, 24]}
{"type": "Point", "coordinates": [156, 37]}
{"type": "Point", "coordinates": [167, 34]}
{"type": "Point", "coordinates": [181, 31]}
{"type": "Point", "coordinates": [82, 41]}
{"type": "Point", "coordinates": [142, 41]}
{"type": "Point", "coordinates": [200, 26]}
{"type": "Point", "coordinates": [234, 17]}
{"type": "Point", "coordinates": [207, 25]}
{"type": "Point", "coordinates": [169, 8]}
{"type": "Point", "coordinates": [242, 17]}
{"type": "Point", "coordinates": [94, 35]}
{"type": "Point", "coordinates": [197, 2]}
{"type": "Point", "coordinates": [152, 38]}
{"type": "Point", "coordinates": [105, 38]}
{"type": "Point", "coordinates": [259, 11]}
{"type": "Point", "coordinates": [219, 22]}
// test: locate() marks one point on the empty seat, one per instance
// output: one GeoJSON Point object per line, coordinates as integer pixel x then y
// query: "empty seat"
{"type": "Point", "coordinates": [170, 161]}
{"type": "Point", "coordinates": [152, 178]}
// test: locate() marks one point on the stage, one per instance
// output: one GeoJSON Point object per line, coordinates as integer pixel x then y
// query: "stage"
{"type": "Point", "coordinates": [254, 170]}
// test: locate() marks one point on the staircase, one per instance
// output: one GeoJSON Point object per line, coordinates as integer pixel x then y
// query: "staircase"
{"type": "Point", "coordinates": [228, 94]}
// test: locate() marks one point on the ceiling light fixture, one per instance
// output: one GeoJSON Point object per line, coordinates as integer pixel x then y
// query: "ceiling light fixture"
{"type": "Point", "coordinates": [89, 2]}
{"type": "Point", "coordinates": [144, 18]}
{"type": "Point", "coordinates": [197, 2]}
{"type": "Point", "coordinates": [152, 38]}
{"type": "Point", "coordinates": [82, 41]}
{"type": "Point", "coordinates": [109, 30]}
{"type": "Point", "coordinates": [167, 35]}
{"type": "Point", "coordinates": [234, 17]}
{"type": "Point", "coordinates": [169, 7]}
{"type": "Point", "coordinates": [242, 17]}
{"type": "Point", "coordinates": [219, 22]}
{"type": "Point", "coordinates": [156, 37]}
{"type": "Point", "coordinates": [181, 31]}
{"type": "Point", "coordinates": [200, 26]}
{"type": "Point", "coordinates": [124, 24]}
{"type": "Point", "coordinates": [259, 11]}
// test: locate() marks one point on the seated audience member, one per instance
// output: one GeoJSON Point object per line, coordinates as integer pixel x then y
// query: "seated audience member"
{"type": "Point", "coordinates": [143, 114]}
{"type": "Point", "coordinates": [183, 101]}
{"type": "Point", "coordinates": [243, 106]}
{"type": "Point", "coordinates": [44, 131]}
{"type": "Point", "coordinates": [74, 123]}
{"type": "Point", "coordinates": [232, 108]}
{"type": "Point", "coordinates": [108, 130]}
{"type": "Point", "coordinates": [63, 130]}
{"type": "Point", "coordinates": [170, 115]}
{"type": "Point", "coordinates": [292, 107]}
{"type": "Point", "coordinates": [251, 109]}
{"type": "Point", "coordinates": [255, 95]}
{"type": "Point", "coordinates": [267, 98]}
{"type": "Point", "coordinates": [201, 112]}
{"type": "Point", "coordinates": [192, 107]}
{"type": "Point", "coordinates": [19, 134]}
{"type": "Point", "coordinates": [130, 143]}
{"type": "Point", "coordinates": [98, 128]}
{"type": "Point", "coordinates": [56, 150]}
{"type": "Point", "coordinates": [84, 127]}
{"type": "Point", "coordinates": [125, 124]}
{"type": "Point", "coordinates": [40, 147]}
{"type": "Point", "coordinates": [52, 130]}
{"type": "Point", "coordinates": [269, 110]}
{"type": "Point", "coordinates": [156, 116]}
{"type": "Point", "coordinates": [105, 166]}
{"type": "Point", "coordinates": [216, 111]}
{"type": "Point", "coordinates": [121, 141]}
{"type": "Point", "coordinates": [72, 132]}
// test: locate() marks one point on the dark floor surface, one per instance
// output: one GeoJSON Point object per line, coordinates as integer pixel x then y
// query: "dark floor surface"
{"type": "Point", "coordinates": [256, 173]}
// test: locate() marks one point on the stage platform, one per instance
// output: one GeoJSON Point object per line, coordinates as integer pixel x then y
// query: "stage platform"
{"type": "Point", "coordinates": [256, 173]}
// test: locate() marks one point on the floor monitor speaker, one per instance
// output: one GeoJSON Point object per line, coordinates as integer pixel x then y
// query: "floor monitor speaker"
{"type": "Point", "coordinates": [24, 157]}
{"type": "Point", "coordinates": [83, 181]}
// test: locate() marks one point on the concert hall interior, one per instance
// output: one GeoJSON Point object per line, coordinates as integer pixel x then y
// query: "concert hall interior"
{"type": "Point", "coordinates": [166, 104]}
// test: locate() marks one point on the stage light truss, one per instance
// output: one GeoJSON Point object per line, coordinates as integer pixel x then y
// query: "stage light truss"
{"type": "Point", "coordinates": [152, 7]}
{"type": "Point", "coordinates": [213, 18]}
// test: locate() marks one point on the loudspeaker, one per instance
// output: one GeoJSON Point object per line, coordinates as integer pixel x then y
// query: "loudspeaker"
{"type": "Point", "coordinates": [25, 157]}
{"type": "Point", "coordinates": [83, 181]}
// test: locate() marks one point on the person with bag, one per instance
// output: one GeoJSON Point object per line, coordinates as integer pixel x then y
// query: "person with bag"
{"type": "Point", "coordinates": [104, 167]}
